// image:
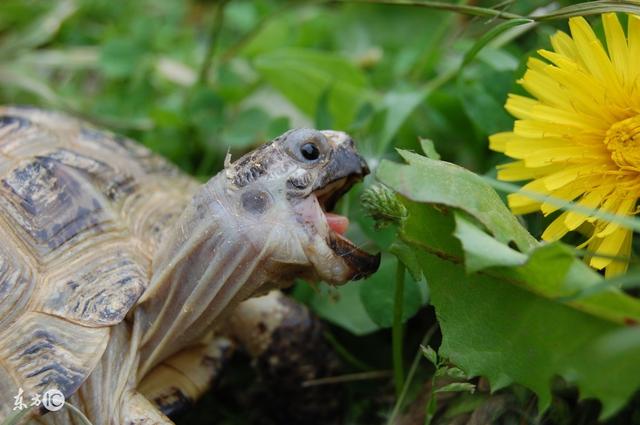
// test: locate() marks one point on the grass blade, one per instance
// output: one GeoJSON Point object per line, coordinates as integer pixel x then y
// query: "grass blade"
{"type": "Point", "coordinates": [489, 36]}
{"type": "Point", "coordinates": [582, 9]}
{"type": "Point", "coordinates": [592, 8]}
{"type": "Point", "coordinates": [627, 221]}
{"type": "Point", "coordinates": [397, 331]}
{"type": "Point", "coordinates": [41, 31]}
{"type": "Point", "coordinates": [627, 281]}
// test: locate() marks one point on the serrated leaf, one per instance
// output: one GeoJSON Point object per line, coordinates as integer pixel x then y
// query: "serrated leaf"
{"type": "Point", "coordinates": [457, 387]}
{"type": "Point", "coordinates": [481, 250]}
{"type": "Point", "coordinates": [441, 371]}
{"type": "Point", "coordinates": [550, 270]}
{"type": "Point", "coordinates": [456, 373]}
{"type": "Point", "coordinates": [454, 186]}
{"type": "Point", "coordinates": [408, 257]}
{"type": "Point", "coordinates": [430, 354]}
{"type": "Point", "coordinates": [494, 329]}
{"type": "Point", "coordinates": [508, 323]}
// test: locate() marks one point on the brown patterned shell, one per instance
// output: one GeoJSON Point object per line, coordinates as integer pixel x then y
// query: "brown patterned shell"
{"type": "Point", "coordinates": [81, 214]}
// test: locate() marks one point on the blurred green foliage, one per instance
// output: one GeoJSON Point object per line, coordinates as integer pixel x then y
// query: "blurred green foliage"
{"type": "Point", "coordinates": [195, 79]}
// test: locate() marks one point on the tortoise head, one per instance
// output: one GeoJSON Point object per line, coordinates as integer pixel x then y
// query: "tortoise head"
{"type": "Point", "coordinates": [257, 225]}
{"type": "Point", "coordinates": [291, 185]}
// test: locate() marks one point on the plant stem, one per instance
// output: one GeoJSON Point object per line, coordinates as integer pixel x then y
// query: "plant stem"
{"type": "Point", "coordinates": [350, 377]}
{"type": "Point", "coordinates": [410, 375]}
{"type": "Point", "coordinates": [581, 9]}
{"type": "Point", "coordinates": [216, 26]}
{"type": "Point", "coordinates": [17, 417]}
{"type": "Point", "coordinates": [83, 419]}
{"type": "Point", "coordinates": [397, 330]}
{"type": "Point", "coordinates": [344, 353]}
{"type": "Point", "coordinates": [430, 409]}
{"type": "Point", "coordinates": [466, 9]}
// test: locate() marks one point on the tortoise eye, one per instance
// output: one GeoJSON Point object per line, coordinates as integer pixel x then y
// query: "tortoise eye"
{"type": "Point", "coordinates": [310, 151]}
{"type": "Point", "coordinates": [306, 146]}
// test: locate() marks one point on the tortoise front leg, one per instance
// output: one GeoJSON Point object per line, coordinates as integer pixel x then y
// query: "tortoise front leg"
{"type": "Point", "coordinates": [286, 344]}
{"type": "Point", "coordinates": [138, 410]}
{"type": "Point", "coordinates": [180, 380]}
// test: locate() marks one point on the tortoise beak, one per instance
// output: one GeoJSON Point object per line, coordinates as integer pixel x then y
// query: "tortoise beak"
{"type": "Point", "coordinates": [361, 263]}
{"type": "Point", "coordinates": [344, 168]}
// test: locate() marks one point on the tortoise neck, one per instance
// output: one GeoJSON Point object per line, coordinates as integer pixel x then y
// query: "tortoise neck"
{"type": "Point", "coordinates": [203, 268]}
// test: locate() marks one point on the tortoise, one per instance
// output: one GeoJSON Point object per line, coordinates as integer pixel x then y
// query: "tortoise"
{"type": "Point", "coordinates": [116, 268]}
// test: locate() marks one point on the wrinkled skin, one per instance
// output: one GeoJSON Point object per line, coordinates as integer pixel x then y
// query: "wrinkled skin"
{"type": "Point", "coordinates": [264, 220]}
{"type": "Point", "coordinates": [258, 225]}
{"type": "Point", "coordinates": [277, 185]}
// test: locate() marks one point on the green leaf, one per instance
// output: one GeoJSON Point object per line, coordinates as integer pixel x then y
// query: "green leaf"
{"type": "Point", "coordinates": [456, 373]}
{"type": "Point", "coordinates": [483, 99]}
{"type": "Point", "coordinates": [499, 60]}
{"type": "Point", "coordinates": [494, 329]}
{"type": "Point", "coordinates": [429, 148]}
{"type": "Point", "coordinates": [120, 57]}
{"type": "Point", "coordinates": [631, 222]}
{"type": "Point", "coordinates": [398, 106]}
{"type": "Point", "coordinates": [249, 128]}
{"type": "Point", "coordinates": [323, 115]}
{"type": "Point", "coordinates": [488, 36]}
{"type": "Point", "coordinates": [430, 354]}
{"type": "Point", "coordinates": [407, 255]}
{"type": "Point", "coordinates": [457, 387]}
{"type": "Point", "coordinates": [506, 321]}
{"type": "Point", "coordinates": [277, 126]}
{"type": "Point", "coordinates": [630, 280]}
{"type": "Point", "coordinates": [550, 270]}
{"type": "Point", "coordinates": [481, 250]}
{"type": "Point", "coordinates": [377, 295]}
{"type": "Point", "coordinates": [340, 306]}
{"type": "Point", "coordinates": [303, 75]}
{"type": "Point", "coordinates": [454, 186]}
{"type": "Point", "coordinates": [592, 8]}
{"type": "Point", "coordinates": [41, 30]}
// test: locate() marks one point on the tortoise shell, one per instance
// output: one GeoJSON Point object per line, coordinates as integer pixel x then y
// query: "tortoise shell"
{"type": "Point", "coordinates": [82, 212]}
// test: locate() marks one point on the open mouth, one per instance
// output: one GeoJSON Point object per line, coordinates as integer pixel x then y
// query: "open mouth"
{"type": "Point", "coordinates": [361, 263]}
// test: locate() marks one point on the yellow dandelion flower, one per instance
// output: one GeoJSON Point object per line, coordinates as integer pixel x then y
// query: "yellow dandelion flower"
{"type": "Point", "coordinates": [578, 139]}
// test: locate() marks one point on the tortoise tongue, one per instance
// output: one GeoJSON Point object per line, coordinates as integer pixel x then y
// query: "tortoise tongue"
{"type": "Point", "coordinates": [338, 223]}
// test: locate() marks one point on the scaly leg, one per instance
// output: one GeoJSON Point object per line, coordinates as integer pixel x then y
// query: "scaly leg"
{"type": "Point", "coordinates": [138, 410]}
{"type": "Point", "coordinates": [180, 380]}
{"type": "Point", "coordinates": [286, 345]}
